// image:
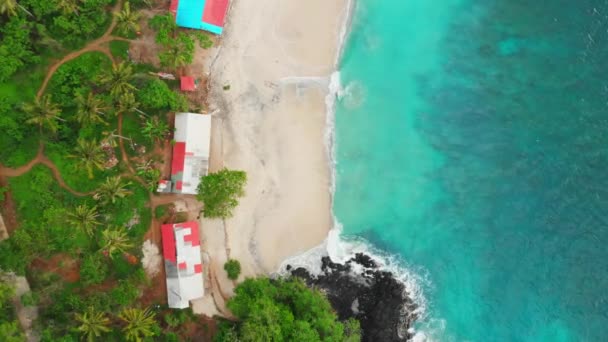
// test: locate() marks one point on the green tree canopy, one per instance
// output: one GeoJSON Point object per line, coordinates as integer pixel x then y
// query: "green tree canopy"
{"type": "Point", "coordinates": [11, 332]}
{"type": "Point", "coordinates": [156, 95]}
{"type": "Point", "coordinates": [283, 310]}
{"type": "Point", "coordinates": [15, 44]}
{"type": "Point", "coordinates": [220, 192]}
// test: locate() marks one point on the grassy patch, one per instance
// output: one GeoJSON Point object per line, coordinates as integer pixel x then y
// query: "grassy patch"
{"type": "Point", "coordinates": [120, 49]}
{"type": "Point", "coordinates": [42, 207]}
{"type": "Point", "coordinates": [73, 175]}
{"type": "Point", "coordinates": [15, 153]}
{"type": "Point", "coordinates": [132, 129]}
{"type": "Point", "coordinates": [133, 212]}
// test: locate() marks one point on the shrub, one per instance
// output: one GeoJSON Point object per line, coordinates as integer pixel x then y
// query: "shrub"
{"type": "Point", "coordinates": [3, 190]}
{"type": "Point", "coordinates": [156, 95]}
{"type": "Point", "coordinates": [93, 269]}
{"type": "Point", "coordinates": [233, 268]}
{"type": "Point", "coordinates": [161, 211]}
{"type": "Point", "coordinates": [181, 217]}
{"type": "Point", "coordinates": [30, 299]}
{"type": "Point", "coordinates": [124, 294]}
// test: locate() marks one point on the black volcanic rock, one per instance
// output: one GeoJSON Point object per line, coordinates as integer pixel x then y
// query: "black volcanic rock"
{"type": "Point", "coordinates": [374, 297]}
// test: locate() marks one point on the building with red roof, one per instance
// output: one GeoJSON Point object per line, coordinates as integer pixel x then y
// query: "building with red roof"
{"type": "Point", "coordinates": [190, 151]}
{"type": "Point", "coordinates": [183, 266]}
{"type": "Point", "coordinates": [187, 83]}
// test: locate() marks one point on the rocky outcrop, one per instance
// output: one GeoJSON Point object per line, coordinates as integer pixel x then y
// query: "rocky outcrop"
{"type": "Point", "coordinates": [359, 289]}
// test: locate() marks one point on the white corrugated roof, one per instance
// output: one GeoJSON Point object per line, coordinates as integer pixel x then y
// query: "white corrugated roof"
{"type": "Point", "coordinates": [183, 283]}
{"type": "Point", "coordinates": [195, 131]}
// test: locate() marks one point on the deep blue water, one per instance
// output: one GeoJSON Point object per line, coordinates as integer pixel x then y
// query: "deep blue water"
{"type": "Point", "coordinates": [472, 142]}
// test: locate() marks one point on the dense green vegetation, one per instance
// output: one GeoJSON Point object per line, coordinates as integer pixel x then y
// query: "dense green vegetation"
{"type": "Point", "coordinates": [232, 268]}
{"type": "Point", "coordinates": [9, 328]}
{"type": "Point", "coordinates": [84, 208]}
{"type": "Point", "coordinates": [283, 310]}
{"type": "Point", "coordinates": [178, 46]}
{"type": "Point", "coordinates": [220, 192]}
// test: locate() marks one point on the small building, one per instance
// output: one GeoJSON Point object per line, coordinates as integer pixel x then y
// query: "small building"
{"type": "Point", "coordinates": [163, 186]}
{"type": "Point", "coordinates": [183, 267]}
{"type": "Point", "coordinates": [208, 15]}
{"type": "Point", "coordinates": [192, 140]}
{"type": "Point", "coordinates": [187, 83]}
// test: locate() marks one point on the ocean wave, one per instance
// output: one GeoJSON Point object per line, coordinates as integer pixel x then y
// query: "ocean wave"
{"type": "Point", "coordinates": [341, 249]}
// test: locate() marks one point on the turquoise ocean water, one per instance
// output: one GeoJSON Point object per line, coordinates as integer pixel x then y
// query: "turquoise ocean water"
{"type": "Point", "coordinates": [472, 142]}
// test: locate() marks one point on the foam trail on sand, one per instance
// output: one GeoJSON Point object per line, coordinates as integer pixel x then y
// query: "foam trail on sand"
{"type": "Point", "coordinates": [337, 247]}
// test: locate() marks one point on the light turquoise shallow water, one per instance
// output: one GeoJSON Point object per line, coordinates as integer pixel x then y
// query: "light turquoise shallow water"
{"type": "Point", "coordinates": [472, 142]}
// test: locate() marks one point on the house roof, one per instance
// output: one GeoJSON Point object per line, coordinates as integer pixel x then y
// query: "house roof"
{"type": "Point", "coordinates": [208, 15]}
{"type": "Point", "coordinates": [187, 83]}
{"type": "Point", "coordinates": [183, 266]}
{"type": "Point", "coordinates": [190, 151]}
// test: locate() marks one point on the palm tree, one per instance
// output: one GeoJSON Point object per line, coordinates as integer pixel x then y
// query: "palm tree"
{"type": "Point", "coordinates": [139, 323]}
{"type": "Point", "coordinates": [89, 155]}
{"type": "Point", "coordinates": [67, 6]}
{"type": "Point", "coordinates": [9, 7]}
{"type": "Point", "coordinates": [155, 129]}
{"type": "Point", "coordinates": [43, 112]}
{"type": "Point", "coordinates": [126, 20]}
{"type": "Point", "coordinates": [127, 104]}
{"type": "Point", "coordinates": [117, 79]}
{"type": "Point", "coordinates": [84, 218]}
{"type": "Point", "coordinates": [112, 190]}
{"type": "Point", "coordinates": [92, 324]}
{"type": "Point", "coordinates": [89, 109]}
{"type": "Point", "coordinates": [177, 53]}
{"type": "Point", "coordinates": [115, 241]}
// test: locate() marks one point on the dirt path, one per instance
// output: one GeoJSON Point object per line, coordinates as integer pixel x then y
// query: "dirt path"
{"type": "Point", "coordinates": [41, 159]}
{"type": "Point", "coordinates": [95, 45]}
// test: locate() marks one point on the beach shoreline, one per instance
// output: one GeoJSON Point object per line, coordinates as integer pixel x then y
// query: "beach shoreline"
{"type": "Point", "coordinates": [269, 94]}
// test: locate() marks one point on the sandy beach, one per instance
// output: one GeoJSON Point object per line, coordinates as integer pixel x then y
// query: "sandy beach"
{"type": "Point", "coordinates": [276, 56]}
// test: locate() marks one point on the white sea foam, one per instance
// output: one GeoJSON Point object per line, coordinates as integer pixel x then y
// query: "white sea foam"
{"type": "Point", "coordinates": [337, 247]}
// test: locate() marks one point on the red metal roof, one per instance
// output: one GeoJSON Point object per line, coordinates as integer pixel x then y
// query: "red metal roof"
{"type": "Point", "coordinates": [169, 250]}
{"type": "Point", "coordinates": [187, 83]}
{"type": "Point", "coordinates": [198, 268]}
{"type": "Point", "coordinates": [194, 236]}
{"type": "Point", "coordinates": [173, 7]}
{"type": "Point", "coordinates": [215, 12]}
{"type": "Point", "coordinates": [182, 265]}
{"type": "Point", "coordinates": [179, 157]}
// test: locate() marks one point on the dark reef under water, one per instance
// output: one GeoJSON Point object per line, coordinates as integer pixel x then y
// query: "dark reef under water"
{"type": "Point", "coordinates": [374, 297]}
